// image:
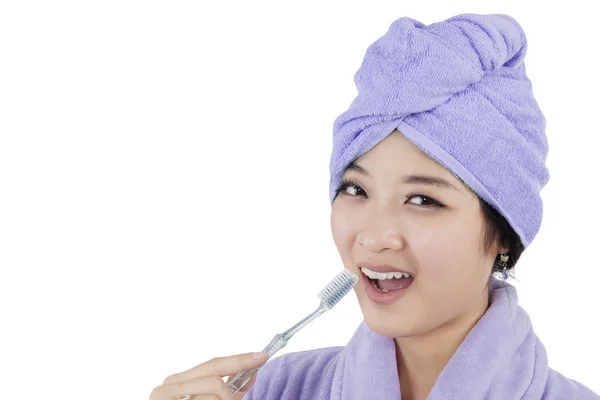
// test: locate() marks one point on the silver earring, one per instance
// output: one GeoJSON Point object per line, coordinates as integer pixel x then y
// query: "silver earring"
{"type": "Point", "coordinates": [503, 264]}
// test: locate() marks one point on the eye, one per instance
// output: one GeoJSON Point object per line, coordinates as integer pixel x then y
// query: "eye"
{"type": "Point", "coordinates": [350, 188]}
{"type": "Point", "coordinates": [423, 201]}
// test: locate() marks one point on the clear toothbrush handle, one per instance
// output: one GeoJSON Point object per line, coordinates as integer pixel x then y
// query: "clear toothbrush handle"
{"type": "Point", "coordinates": [238, 381]}
{"type": "Point", "coordinates": [330, 296]}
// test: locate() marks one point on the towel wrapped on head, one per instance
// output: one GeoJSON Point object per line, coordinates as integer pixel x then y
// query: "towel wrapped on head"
{"type": "Point", "coordinates": [458, 90]}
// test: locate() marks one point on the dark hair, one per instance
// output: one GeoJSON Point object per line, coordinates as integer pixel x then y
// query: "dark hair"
{"type": "Point", "coordinates": [498, 228]}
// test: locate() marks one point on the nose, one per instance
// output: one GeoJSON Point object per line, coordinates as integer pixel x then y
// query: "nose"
{"type": "Point", "coordinates": [383, 232]}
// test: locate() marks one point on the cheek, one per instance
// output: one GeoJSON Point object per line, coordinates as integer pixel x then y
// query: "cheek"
{"type": "Point", "coordinates": [342, 230]}
{"type": "Point", "coordinates": [450, 279]}
{"type": "Point", "coordinates": [347, 221]}
{"type": "Point", "coordinates": [448, 255]}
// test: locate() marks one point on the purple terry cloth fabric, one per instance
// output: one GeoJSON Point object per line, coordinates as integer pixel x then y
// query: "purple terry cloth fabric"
{"type": "Point", "coordinates": [458, 90]}
{"type": "Point", "coordinates": [500, 359]}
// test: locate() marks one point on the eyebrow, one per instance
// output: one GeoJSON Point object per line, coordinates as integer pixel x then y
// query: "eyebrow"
{"type": "Point", "coordinates": [410, 179]}
{"type": "Point", "coordinates": [355, 167]}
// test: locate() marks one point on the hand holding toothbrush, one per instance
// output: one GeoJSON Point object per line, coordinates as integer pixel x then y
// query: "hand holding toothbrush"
{"type": "Point", "coordinates": [205, 382]}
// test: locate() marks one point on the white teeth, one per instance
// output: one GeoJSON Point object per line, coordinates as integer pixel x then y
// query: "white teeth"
{"type": "Point", "coordinates": [382, 275]}
{"type": "Point", "coordinates": [379, 275]}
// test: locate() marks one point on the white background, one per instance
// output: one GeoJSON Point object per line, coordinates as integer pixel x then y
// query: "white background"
{"type": "Point", "coordinates": [164, 183]}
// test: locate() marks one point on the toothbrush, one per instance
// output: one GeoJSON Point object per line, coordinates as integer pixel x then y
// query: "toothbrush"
{"type": "Point", "coordinates": [339, 286]}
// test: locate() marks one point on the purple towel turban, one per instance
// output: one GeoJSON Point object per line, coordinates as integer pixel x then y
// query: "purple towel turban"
{"type": "Point", "coordinates": [458, 90]}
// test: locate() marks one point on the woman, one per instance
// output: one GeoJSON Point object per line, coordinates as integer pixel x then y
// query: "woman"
{"type": "Point", "coordinates": [436, 173]}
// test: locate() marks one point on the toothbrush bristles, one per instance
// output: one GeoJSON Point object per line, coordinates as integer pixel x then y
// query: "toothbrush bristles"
{"type": "Point", "coordinates": [339, 286]}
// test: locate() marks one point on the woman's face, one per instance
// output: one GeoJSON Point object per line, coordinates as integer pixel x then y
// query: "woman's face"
{"type": "Point", "coordinates": [402, 209]}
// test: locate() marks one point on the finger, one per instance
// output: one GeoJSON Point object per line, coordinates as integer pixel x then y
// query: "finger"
{"type": "Point", "coordinates": [232, 365]}
{"type": "Point", "coordinates": [248, 384]}
{"type": "Point", "coordinates": [204, 386]}
{"type": "Point", "coordinates": [242, 392]}
{"type": "Point", "coordinates": [221, 366]}
{"type": "Point", "coordinates": [237, 396]}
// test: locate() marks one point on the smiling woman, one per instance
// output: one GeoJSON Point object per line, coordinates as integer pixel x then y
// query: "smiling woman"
{"type": "Point", "coordinates": [435, 178]}
{"type": "Point", "coordinates": [436, 173]}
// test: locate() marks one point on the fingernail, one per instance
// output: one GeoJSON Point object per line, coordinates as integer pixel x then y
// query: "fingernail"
{"type": "Point", "coordinates": [259, 355]}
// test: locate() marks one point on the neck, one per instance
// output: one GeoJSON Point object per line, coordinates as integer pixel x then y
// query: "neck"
{"type": "Point", "coordinates": [422, 358]}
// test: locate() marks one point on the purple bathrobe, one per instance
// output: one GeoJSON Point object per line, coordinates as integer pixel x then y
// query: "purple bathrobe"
{"type": "Point", "coordinates": [501, 358]}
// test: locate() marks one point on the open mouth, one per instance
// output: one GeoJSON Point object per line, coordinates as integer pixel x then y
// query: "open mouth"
{"type": "Point", "coordinates": [389, 281]}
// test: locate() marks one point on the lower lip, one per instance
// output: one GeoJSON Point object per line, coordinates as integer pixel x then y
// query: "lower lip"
{"type": "Point", "coordinates": [379, 297]}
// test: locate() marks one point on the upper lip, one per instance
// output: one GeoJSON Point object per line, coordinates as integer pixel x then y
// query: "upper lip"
{"type": "Point", "coordinates": [381, 267]}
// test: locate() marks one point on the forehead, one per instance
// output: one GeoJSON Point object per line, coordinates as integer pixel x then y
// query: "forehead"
{"type": "Point", "coordinates": [396, 154]}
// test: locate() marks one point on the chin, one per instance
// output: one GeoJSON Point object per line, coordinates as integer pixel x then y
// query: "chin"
{"type": "Point", "coordinates": [389, 325]}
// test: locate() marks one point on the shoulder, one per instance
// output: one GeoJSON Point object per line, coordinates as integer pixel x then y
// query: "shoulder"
{"type": "Point", "coordinates": [301, 375]}
{"type": "Point", "coordinates": [560, 387]}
